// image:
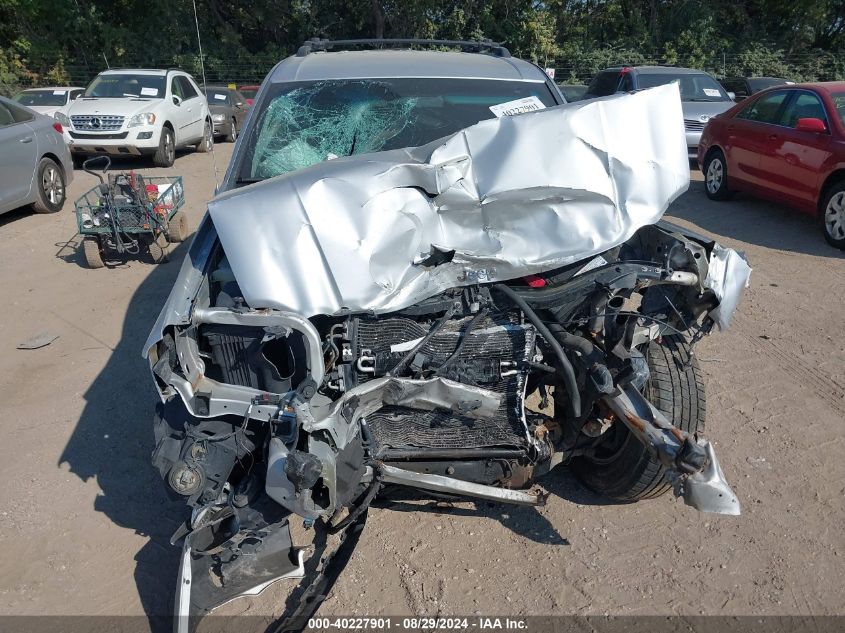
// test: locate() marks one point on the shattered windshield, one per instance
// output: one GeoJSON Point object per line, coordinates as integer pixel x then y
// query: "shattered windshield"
{"type": "Point", "coordinates": [304, 123]}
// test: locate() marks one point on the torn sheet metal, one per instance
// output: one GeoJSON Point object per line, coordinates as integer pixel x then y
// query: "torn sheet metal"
{"type": "Point", "coordinates": [427, 395]}
{"type": "Point", "coordinates": [504, 198]}
{"type": "Point", "coordinates": [727, 276]}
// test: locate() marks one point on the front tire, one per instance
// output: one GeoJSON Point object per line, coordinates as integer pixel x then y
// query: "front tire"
{"type": "Point", "coordinates": [833, 215]}
{"type": "Point", "coordinates": [622, 467]}
{"type": "Point", "coordinates": [50, 181]}
{"type": "Point", "coordinates": [716, 176]}
{"type": "Point", "coordinates": [232, 136]}
{"type": "Point", "coordinates": [207, 141]}
{"type": "Point", "coordinates": [166, 153]}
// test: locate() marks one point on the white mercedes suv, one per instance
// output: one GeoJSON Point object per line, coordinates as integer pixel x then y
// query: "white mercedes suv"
{"type": "Point", "coordinates": [138, 112]}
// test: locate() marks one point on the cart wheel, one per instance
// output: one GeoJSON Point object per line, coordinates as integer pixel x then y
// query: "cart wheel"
{"type": "Point", "coordinates": [158, 248]}
{"type": "Point", "coordinates": [91, 250]}
{"type": "Point", "coordinates": [177, 230]}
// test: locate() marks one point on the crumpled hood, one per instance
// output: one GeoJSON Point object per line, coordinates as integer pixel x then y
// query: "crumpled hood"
{"type": "Point", "coordinates": [501, 199]}
{"type": "Point", "coordinates": [124, 106]}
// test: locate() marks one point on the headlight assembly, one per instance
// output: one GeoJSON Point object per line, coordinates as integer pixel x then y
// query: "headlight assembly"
{"type": "Point", "coordinates": [145, 118]}
{"type": "Point", "coordinates": [217, 118]}
{"type": "Point", "coordinates": [62, 118]}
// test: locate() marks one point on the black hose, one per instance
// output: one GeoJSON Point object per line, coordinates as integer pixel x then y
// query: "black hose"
{"type": "Point", "coordinates": [434, 330]}
{"type": "Point", "coordinates": [567, 373]}
{"type": "Point", "coordinates": [366, 500]}
{"type": "Point", "coordinates": [572, 342]}
{"type": "Point", "coordinates": [597, 309]}
{"type": "Point", "coordinates": [464, 337]}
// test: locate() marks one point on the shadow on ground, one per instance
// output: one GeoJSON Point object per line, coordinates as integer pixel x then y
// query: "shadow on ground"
{"type": "Point", "coordinates": [525, 521]}
{"type": "Point", "coordinates": [754, 221]}
{"type": "Point", "coordinates": [118, 412]}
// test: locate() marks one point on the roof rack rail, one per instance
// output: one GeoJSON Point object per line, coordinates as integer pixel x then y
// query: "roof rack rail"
{"type": "Point", "coordinates": [482, 46]}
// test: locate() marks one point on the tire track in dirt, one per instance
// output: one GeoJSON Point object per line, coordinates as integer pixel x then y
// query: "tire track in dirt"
{"type": "Point", "coordinates": [830, 391]}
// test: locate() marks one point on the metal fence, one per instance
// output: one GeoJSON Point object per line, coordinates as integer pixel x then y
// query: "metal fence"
{"type": "Point", "coordinates": [805, 66]}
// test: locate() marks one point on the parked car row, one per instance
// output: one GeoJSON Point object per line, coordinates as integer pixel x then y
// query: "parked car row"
{"type": "Point", "coordinates": [782, 141]}
{"type": "Point", "coordinates": [766, 136]}
{"type": "Point", "coordinates": [45, 132]}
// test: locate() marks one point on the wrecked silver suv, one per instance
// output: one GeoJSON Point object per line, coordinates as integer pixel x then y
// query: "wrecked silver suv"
{"type": "Point", "coordinates": [383, 319]}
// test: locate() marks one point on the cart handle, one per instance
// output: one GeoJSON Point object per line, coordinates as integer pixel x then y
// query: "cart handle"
{"type": "Point", "coordinates": [86, 166]}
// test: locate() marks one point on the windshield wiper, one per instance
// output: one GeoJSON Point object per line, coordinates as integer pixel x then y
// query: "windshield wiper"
{"type": "Point", "coordinates": [247, 181]}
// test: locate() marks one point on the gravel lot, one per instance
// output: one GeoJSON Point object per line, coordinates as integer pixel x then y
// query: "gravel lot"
{"type": "Point", "coordinates": [86, 522]}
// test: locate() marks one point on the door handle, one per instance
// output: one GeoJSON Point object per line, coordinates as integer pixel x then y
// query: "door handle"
{"type": "Point", "coordinates": [26, 139]}
{"type": "Point", "coordinates": [773, 137]}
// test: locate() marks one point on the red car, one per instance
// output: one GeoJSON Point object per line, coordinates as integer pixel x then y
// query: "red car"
{"type": "Point", "coordinates": [786, 144]}
{"type": "Point", "coordinates": [248, 92]}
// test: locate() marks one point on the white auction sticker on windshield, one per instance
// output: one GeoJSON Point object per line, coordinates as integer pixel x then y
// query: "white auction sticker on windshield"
{"type": "Point", "coordinates": [59, 92]}
{"type": "Point", "coordinates": [518, 106]}
{"type": "Point", "coordinates": [149, 92]}
{"type": "Point", "coordinates": [221, 97]}
{"type": "Point", "coordinates": [712, 92]}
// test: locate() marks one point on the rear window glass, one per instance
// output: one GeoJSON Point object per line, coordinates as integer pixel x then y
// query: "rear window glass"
{"type": "Point", "coordinates": [218, 96]}
{"type": "Point", "coordinates": [736, 86]}
{"type": "Point", "coordinates": [693, 86]}
{"type": "Point", "coordinates": [44, 98]}
{"type": "Point", "coordinates": [761, 83]}
{"type": "Point", "coordinates": [604, 84]}
{"type": "Point", "coordinates": [305, 123]}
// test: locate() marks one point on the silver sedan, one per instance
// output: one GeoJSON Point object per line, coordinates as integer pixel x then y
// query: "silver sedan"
{"type": "Point", "coordinates": [35, 163]}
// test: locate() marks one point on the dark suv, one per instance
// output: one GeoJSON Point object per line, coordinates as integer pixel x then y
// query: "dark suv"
{"type": "Point", "coordinates": [702, 96]}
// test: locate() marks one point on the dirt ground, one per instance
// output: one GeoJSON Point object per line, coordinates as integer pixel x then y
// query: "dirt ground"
{"type": "Point", "coordinates": [86, 522]}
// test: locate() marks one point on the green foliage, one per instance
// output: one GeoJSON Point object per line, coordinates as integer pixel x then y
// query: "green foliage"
{"type": "Point", "coordinates": [61, 41]}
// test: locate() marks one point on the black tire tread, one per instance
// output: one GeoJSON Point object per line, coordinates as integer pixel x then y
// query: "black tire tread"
{"type": "Point", "coordinates": [160, 158]}
{"type": "Point", "coordinates": [41, 205]}
{"type": "Point", "coordinates": [676, 388]}
{"type": "Point", "coordinates": [232, 136]}
{"type": "Point", "coordinates": [832, 190]}
{"type": "Point", "coordinates": [724, 192]}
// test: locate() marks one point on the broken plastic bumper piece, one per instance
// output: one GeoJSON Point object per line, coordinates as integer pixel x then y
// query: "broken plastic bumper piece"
{"type": "Point", "coordinates": [691, 463]}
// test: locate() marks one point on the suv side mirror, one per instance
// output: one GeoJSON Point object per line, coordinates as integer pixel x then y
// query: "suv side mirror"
{"type": "Point", "coordinates": [732, 96]}
{"type": "Point", "coordinates": [811, 124]}
{"type": "Point", "coordinates": [177, 100]}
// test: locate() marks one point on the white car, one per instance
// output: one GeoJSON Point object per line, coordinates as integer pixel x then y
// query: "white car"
{"type": "Point", "coordinates": [138, 112]}
{"type": "Point", "coordinates": [48, 100]}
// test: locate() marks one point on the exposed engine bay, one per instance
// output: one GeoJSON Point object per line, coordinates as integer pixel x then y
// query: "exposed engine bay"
{"type": "Point", "coordinates": [272, 410]}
